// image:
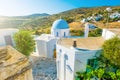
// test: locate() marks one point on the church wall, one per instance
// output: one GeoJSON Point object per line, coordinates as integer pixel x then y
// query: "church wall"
{"type": "Point", "coordinates": [60, 32]}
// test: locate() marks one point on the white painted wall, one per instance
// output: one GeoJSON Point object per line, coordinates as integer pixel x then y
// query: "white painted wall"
{"type": "Point", "coordinates": [86, 31]}
{"type": "Point", "coordinates": [63, 72]}
{"type": "Point", "coordinates": [77, 60]}
{"type": "Point", "coordinates": [45, 48]}
{"type": "Point", "coordinates": [60, 32]}
{"type": "Point", "coordinates": [4, 32]}
{"type": "Point", "coordinates": [41, 48]}
{"type": "Point", "coordinates": [106, 34]}
{"type": "Point", "coordinates": [81, 59]}
{"type": "Point", "coordinates": [51, 45]}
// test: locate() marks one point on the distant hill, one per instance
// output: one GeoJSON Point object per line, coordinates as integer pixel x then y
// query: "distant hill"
{"type": "Point", "coordinates": [35, 15]}
{"type": "Point", "coordinates": [74, 15]}
{"type": "Point", "coordinates": [17, 21]}
{"type": "Point", "coordinates": [36, 21]}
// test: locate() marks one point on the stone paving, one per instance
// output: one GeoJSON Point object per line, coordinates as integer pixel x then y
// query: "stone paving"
{"type": "Point", "coordinates": [44, 69]}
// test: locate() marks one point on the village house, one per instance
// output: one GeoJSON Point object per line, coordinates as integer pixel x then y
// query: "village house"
{"type": "Point", "coordinates": [6, 36]}
{"type": "Point", "coordinates": [73, 55]}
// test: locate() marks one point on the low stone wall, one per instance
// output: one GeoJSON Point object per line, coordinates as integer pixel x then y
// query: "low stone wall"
{"type": "Point", "coordinates": [14, 65]}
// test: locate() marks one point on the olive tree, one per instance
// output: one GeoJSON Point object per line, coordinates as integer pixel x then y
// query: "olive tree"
{"type": "Point", "coordinates": [24, 42]}
{"type": "Point", "coordinates": [111, 50]}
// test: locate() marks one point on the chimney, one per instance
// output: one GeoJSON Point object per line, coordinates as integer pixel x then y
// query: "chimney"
{"type": "Point", "coordinates": [74, 44]}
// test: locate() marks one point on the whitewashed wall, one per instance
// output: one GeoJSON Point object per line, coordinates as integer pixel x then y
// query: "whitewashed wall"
{"type": "Point", "coordinates": [41, 48]}
{"type": "Point", "coordinates": [106, 34]}
{"type": "Point", "coordinates": [60, 32]}
{"type": "Point", "coordinates": [81, 59]}
{"type": "Point", "coordinates": [77, 61]}
{"type": "Point", "coordinates": [45, 48]}
{"type": "Point", "coordinates": [4, 32]}
{"type": "Point", "coordinates": [51, 45]}
{"type": "Point", "coordinates": [63, 72]}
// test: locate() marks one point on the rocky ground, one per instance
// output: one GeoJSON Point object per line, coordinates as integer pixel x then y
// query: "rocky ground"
{"type": "Point", "coordinates": [44, 68]}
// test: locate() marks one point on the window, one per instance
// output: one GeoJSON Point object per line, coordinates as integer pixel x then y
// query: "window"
{"type": "Point", "coordinates": [64, 34]}
{"type": "Point", "coordinates": [66, 57]}
{"type": "Point", "coordinates": [60, 51]}
{"type": "Point", "coordinates": [69, 68]}
{"type": "Point", "coordinates": [57, 34]}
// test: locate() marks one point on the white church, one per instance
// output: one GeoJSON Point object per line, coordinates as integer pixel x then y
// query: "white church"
{"type": "Point", "coordinates": [46, 43]}
{"type": "Point", "coordinates": [72, 53]}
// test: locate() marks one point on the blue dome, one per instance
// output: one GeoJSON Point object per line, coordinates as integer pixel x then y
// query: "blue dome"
{"type": "Point", "coordinates": [60, 24]}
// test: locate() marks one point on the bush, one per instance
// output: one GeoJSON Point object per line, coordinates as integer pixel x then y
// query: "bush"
{"type": "Point", "coordinates": [24, 42]}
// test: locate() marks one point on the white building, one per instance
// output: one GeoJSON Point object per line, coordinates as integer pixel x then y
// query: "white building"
{"type": "Point", "coordinates": [73, 55]}
{"type": "Point", "coordinates": [6, 36]}
{"type": "Point", "coordinates": [46, 43]}
{"type": "Point", "coordinates": [83, 20]}
{"type": "Point", "coordinates": [115, 15]}
{"type": "Point", "coordinates": [60, 29]}
{"type": "Point", "coordinates": [109, 33]}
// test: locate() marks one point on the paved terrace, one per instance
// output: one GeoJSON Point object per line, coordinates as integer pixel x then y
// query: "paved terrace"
{"type": "Point", "coordinates": [44, 68]}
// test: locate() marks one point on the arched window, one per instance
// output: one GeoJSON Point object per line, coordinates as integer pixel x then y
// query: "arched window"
{"type": "Point", "coordinates": [57, 34]}
{"type": "Point", "coordinates": [66, 57]}
{"type": "Point", "coordinates": [64, 34]}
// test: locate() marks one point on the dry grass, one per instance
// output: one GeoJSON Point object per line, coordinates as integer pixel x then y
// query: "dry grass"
{"type": "Point", "coordinates": [79, 25]}
{"type": "Point", "coordinates": [114, 25]}
{"type": "Point", "coordinates": [76, 25]}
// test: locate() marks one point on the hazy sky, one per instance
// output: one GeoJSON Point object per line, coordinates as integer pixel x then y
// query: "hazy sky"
{"type": "Point", "coordinates": [26, 7]}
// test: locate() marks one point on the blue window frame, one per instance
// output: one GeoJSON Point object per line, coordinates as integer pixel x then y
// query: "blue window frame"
{"type": "Point", "coordinates": [57, 34]}
{"type": "Point", "coordinates": [64, 34]}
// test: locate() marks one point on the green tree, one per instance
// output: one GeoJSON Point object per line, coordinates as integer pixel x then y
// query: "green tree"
{"type": "Point", "coordinates": [24, 42]}
{"type": "Point", "coordinates": [113, 75]}
{"type": "Point", "coordinates": [118, 74]}
{"type": "Point", "coordinates": [95, 33]}
{"type": "Point", "coordinates": [99, 73]}
{"type": "Point", "coordinates": [111, 50]}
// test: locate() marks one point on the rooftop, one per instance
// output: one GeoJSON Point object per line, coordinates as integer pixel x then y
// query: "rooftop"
{"type": "Point", "coordinates": [12, 62]}
{"type": "Point", "coordinates": [45, 37]}
{"type": "Point", "coordinates": [90, 43]}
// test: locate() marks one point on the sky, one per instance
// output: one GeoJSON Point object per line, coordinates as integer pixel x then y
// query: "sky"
{"type": "Point", "coordinates": [27, 7]}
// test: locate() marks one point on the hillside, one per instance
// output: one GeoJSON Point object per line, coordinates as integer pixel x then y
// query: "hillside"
{"type": "Point", "coordinates": [74, 16]}
{"type": "Point", "coordinates": [17, 21]}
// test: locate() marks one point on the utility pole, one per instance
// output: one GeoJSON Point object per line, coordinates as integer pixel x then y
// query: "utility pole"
{"type": "Point", "coordinates": [108, 11]}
